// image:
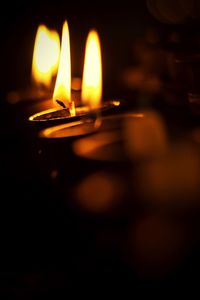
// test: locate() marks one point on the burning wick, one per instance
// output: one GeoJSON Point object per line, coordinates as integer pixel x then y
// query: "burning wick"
{"type": "Point", "coordinates": [61, 103]}
{"type": "Point", "coordinates": [72, 109]}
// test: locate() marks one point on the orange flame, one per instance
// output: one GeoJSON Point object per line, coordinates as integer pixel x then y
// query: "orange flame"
{"type": "Point", "coordinates": [45, 56]}
{"type": "Point", "coordinates": [92, 73]}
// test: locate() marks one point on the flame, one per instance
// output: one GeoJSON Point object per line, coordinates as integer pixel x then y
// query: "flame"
{"type": "Point", "coordinates": [92, 73]}
{"type": "Point", "coordinates": [62, 91]}
{"type": "Point", "coordinates": [55, 51]}
{"type": "Point", "coordinates": [45, 55]}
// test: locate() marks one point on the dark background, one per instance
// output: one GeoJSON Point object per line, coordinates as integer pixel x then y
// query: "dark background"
{"type": "Point", "coordinates": [49, 247]}
{"type": "Point", "coordinates": [117, 25]}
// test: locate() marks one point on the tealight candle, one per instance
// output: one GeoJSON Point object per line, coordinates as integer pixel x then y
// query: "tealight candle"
{"type": "Point", "coordinates": [89, 94]}
{"type": "Point", "coordinates": [92, 123]}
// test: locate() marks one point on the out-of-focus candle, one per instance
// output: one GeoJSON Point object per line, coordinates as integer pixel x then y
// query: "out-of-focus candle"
{"type": "Point", "coordinates": [44, 68]}
{"type": "Point", "coordinates": [45, 56]}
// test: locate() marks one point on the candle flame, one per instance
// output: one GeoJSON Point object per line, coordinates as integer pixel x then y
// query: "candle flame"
{"type": "Point", "coordinates": [45, 56]}
{"type": "Point", "coordinates": [62, 91]}
{"type": "Point", "coordinates": [92, 73]}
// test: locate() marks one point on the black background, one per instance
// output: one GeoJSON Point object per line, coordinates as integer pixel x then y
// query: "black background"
{"type": "Point", "coordinates": [48, 247]}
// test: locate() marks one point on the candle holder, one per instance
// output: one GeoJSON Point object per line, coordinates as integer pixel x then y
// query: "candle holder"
{"type": "Point", "coordinates": [89, 124]}
{"type": "Point", "coordinates": [57, 116]}
{"type": "Point", "coordinates": [72, 129]}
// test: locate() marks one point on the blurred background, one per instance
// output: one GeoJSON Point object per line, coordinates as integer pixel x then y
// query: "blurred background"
{"type": "Point", "coordinates": [122, 216]}
{"type": "Point", "coordinates": [146, 44]}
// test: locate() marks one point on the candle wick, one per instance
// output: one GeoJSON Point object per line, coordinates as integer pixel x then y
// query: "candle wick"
{"type": "Point", "coordinates": [61, 103]}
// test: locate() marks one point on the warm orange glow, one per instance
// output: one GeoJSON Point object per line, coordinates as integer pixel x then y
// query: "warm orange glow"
{"type": "Point", "coordinates": [45, 55]}
{"type": "Point", "coordinates": [116, 102]}
{"type": "Point", "coordinates": [72, 129]}
{"type": "Point", "coordinates": [55, 51]}
{"type": "Point", "coordinates": [145, 136]}
{"type": "Point", "coordinates": [76, 83]}
{"type": "Point", "coordinates": [92, 73]}
{"type": "Point", "coordinates": [35, 116]}
{"type": "Point", "coordinates": [88, 197]}
{"type": "Point", "coordinates": [62, 91]}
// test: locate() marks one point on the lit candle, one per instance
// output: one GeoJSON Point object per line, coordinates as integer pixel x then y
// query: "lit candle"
{"type": "Point", "coordinates": [44, 68]}
{"type": "Point", "coordinates": [92, 84]}
{"type": "Point", "coordinates": [62, 91]}
{"type": "Point", "coordinates": [91, 95]}
{"type": "Point", "coordinates": [92, 81]}
{"type": "Point", "coordinates": [45, 57]}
